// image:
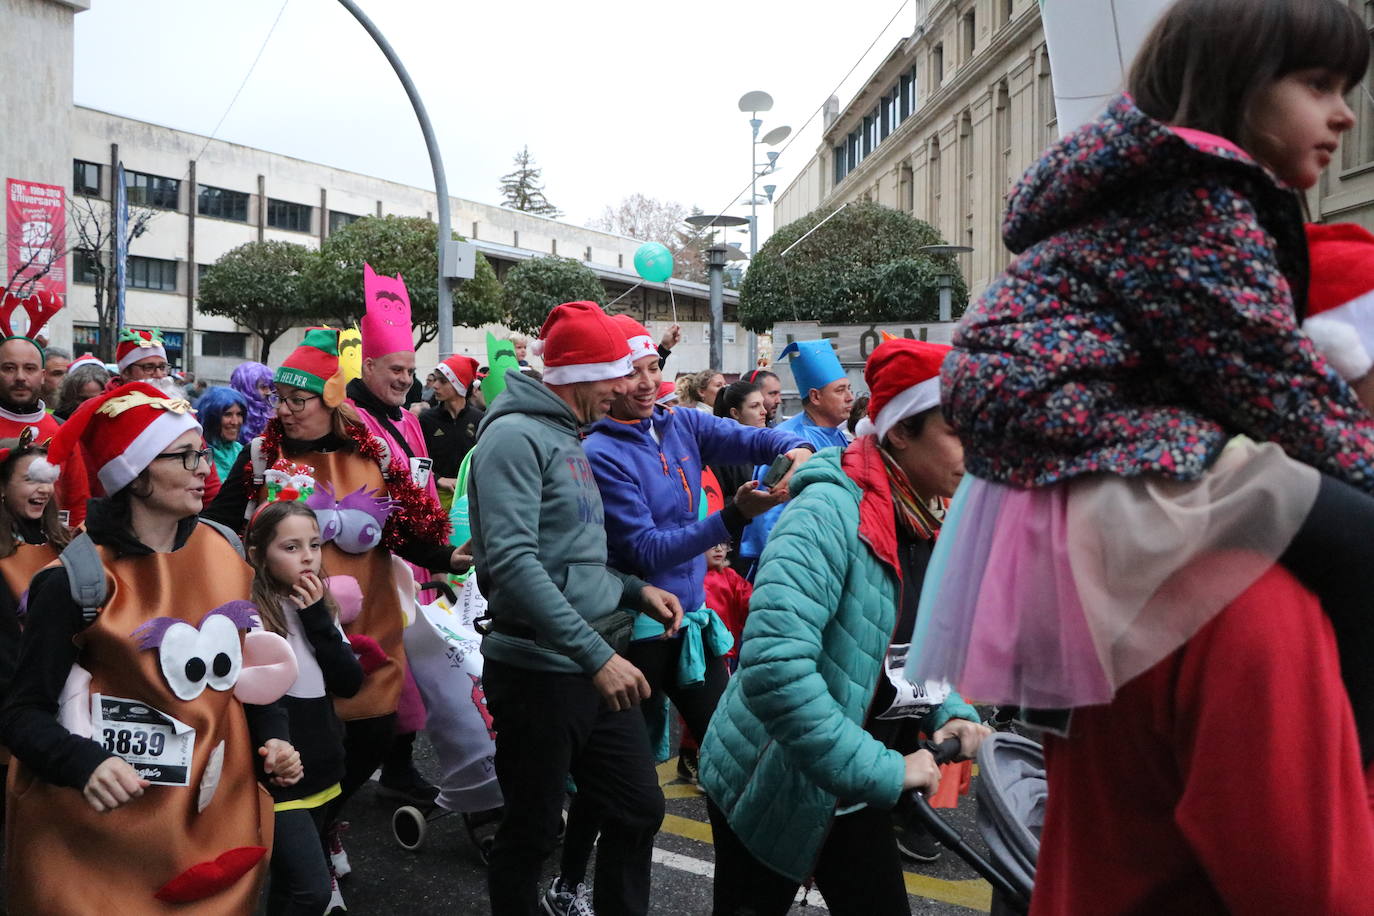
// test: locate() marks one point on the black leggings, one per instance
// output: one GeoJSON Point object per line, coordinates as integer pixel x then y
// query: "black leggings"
{"type": "Point", "coordinates": [657, 659]}
{"type": "Point", "coordinates": [300, 870]}
{"type": "Point", "coordinates": [366, 744]}
{"type": "Point", "coordinates": [1333, 555]}
{"type": "Point", "coordinates": [858, 872]}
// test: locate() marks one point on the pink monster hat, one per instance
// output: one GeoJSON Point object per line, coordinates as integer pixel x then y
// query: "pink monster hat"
{"type": "Point", "coordinates": [386, 325]}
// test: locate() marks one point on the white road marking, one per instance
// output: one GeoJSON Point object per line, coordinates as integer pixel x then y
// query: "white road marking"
{"type": "Point", "coordinates": [706, 870]}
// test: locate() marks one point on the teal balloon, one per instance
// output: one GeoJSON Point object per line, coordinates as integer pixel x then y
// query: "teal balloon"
{"type": "Point", "coordinates": [654, 262]}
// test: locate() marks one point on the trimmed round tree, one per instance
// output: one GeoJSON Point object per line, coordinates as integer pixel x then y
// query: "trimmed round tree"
{"type": "Point", "coordinates": [864, 266]}
{"type": "Point", "coordinates": [399, 245]}
{"type": "Point", "coordinates": [535, 286]}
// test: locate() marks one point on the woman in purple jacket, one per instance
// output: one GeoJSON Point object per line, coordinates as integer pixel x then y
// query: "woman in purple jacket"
{"type": "Point", "coordinates": [647, 461]}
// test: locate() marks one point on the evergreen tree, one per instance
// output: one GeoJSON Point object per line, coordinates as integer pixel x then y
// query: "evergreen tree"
{"type": "Point", "coordinates": [522, 190]}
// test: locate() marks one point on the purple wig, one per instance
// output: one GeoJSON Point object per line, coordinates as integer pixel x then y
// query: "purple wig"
{"type": "Point", "coordinates": [245, 380]}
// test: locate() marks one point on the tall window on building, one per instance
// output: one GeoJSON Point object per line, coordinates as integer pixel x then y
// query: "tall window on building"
{"type": "Point", "coordinates": [85, 266]}
{"type": "Point", "coordinates": [152, 190]}
{"type": "Point", "coordinates": [1357, 147]}
{"type": "Point", "coordinates": [840, 165]}
{"type": "Point", "coordinates": [85, 178]}
{"type": "Point", "coordinates": [906, 191]}
{"type": "Point", "coordinates": [886, 122]}
{"type": "Point", "coordinates": [967, 192]}
{"type": "Point", "coordinates": [908, 94]}
{"type": "Point", "coordinates": [873, 121]}
{"type": "Point", "coordinates": [867, 136]}
{"type": "Point", "coordinates": [1044, 91]}
{"type": "Point", "coordinates": [1002, 157]}
{"type": "Point", "coordinates": [222, 204]}
{"type": "Point", "coordinates": [933, 182]}
{"type": "Point", "coordinates": [1007, 10]}
{"type": "Point", "coordinates": [338, 219]}
{"type": "Point", "coordinates": [282, 214]}
{"type": "Point", "coordinates": [968, 35]}
{"type": "Point", "coordinates": [151, 273]}
{"type": "Point", "coordinates": [937, 64]}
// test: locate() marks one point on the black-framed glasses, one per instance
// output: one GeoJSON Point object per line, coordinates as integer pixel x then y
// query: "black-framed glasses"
{"type": "Point", "coordinates": [296, 403]}
{"type": "Point", "coordinates": [190, 458]}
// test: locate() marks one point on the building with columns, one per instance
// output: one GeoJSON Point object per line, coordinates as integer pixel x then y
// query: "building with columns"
{"type": "Point", "coordinates": [960, 108]}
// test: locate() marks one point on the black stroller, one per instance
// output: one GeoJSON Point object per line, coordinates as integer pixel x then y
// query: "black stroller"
{"type": "Point", "coordinates": [1011, 813]}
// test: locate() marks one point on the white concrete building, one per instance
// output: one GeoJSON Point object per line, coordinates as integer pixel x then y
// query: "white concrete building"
{"type": "Point", "coordinates": [213, 196]}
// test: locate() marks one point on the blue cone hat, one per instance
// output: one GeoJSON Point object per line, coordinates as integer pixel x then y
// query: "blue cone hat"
{"type": "Point", "coordinates": [814, 364]}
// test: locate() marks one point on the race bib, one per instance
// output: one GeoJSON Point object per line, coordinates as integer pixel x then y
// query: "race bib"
{"type": "Point", "coordinates": [153, 743]}
{"type": "Point", "coordinates": [911, 700]}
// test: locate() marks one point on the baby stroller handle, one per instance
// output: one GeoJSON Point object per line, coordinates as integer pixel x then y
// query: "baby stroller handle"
{"type": "Point", "coordinates": [944, 752]}
{"type": "Point", "coordinates": [443, 588]}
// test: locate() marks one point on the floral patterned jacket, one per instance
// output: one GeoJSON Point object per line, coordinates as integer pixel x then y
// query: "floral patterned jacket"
{"type": "Point", "coordinates": [1151, 314]}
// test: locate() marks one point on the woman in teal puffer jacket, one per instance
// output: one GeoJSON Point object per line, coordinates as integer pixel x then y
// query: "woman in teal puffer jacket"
{"type": "Point", "coordinates": [807, 752]}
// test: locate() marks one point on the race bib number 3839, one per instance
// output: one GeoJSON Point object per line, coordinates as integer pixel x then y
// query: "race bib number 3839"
{"type": "Point", "coordinates": [153, 743]}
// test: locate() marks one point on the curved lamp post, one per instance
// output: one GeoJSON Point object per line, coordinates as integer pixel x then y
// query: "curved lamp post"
{"type": "Point", "coordinates": [436, 163]}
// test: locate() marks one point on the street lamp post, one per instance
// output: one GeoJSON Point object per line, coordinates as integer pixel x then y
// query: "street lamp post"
{"type": "Point", "coordinates": [944, 281]}
{"type": "Point", "coordinates": [436, 163]}
{"type": "Point", "coordinates": [716, 257]}
{"type": "Point", "coordinates": [755, 102]}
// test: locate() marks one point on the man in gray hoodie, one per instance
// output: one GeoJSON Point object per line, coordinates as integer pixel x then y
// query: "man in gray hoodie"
{"type": "Point", "coordinates": [561, 697]}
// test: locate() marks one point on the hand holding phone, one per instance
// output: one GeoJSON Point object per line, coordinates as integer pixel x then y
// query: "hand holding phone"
{"type": "Point", "coordinates": [776, 471]}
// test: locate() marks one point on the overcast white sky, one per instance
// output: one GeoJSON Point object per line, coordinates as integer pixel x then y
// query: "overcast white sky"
{"type": "Point", "coordinates": [613, 97]}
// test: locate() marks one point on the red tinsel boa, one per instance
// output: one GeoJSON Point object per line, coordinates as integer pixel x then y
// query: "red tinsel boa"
{"type": "Point", "coordinates": [415, 519]}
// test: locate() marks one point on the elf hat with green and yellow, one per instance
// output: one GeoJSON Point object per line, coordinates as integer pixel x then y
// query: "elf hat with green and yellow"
{"type": "Point", "coordinates": [314, 366]}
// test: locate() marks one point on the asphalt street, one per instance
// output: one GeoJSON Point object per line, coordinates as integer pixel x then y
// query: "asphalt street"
{"type": "Point", "coordinates": [445, 875]}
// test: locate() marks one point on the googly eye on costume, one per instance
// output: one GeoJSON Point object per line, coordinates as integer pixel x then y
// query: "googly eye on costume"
{"type": "Point", "coordinates": [355, 523]}
{"type": "Point", "coordinates": [193, 658]}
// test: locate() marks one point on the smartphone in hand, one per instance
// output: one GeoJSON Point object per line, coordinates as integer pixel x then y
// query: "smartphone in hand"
{"type": "Point", "coordinates": [776, 471]}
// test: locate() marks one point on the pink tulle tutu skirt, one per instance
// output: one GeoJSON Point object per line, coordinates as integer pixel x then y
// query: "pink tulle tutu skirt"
{"type": "Point", "coordinates": [1055, 597]}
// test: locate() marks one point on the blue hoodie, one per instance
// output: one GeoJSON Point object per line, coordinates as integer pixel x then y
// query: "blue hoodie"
{"type": "Point", "coordinates": [651, 490]}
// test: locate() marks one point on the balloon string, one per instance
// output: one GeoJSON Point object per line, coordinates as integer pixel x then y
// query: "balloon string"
{"type": "Point", "coordinates": [672, 299]}
{"type": "Point", "coordinates": [624, 294]}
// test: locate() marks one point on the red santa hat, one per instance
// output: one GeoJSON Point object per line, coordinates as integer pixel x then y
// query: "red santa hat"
{"type": "Point", "coordinates": [667, 394]}
{"type": "Point", "coordinates": [641, 344]}
{"type": "Point", "coordinates": [85, 359]}
{"type": "Point", "coordinates": [581, 343]}
{"type": "Point", "coordinates": [903, 379]}
{"type": "Point", "coordinates": [122, 431]}
{"type": "Point", "coordinates": [1340, 297]}
{"type": "Point", "coordinates": [136, 345]}
{"type": "Point", "coordinates": [460, 371]}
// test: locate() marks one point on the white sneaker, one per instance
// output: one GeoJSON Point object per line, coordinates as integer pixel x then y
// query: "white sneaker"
{"type": "Point", "coordinates": [559, 900]}
{"type": "Point", "coordinates": [338, 858]}
{"type": "Point", "coordinates": [336, 901]}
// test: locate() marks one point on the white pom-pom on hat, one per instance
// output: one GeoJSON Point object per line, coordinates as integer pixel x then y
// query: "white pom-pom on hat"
{"type": "Point", "coordinates": [537, 346]}
{"type": "Point", "coordinates": [1340, 343]}
{"type": "Point", "coordinates": [40, 471]}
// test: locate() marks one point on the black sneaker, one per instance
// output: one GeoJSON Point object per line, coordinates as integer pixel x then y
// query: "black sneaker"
{"type": "Point", "coordinates": [915, 843]}
{"type": "Point", "coordinates": [407, 786]}
{"type": "Point", "coordinates": [687, 765]}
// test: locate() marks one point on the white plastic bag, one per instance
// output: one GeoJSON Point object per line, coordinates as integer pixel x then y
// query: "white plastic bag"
{"type": "Point", "coordinates": [444, 651]}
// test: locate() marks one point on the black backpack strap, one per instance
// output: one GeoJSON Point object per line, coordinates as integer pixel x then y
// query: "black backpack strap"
{"type": "Point", "coordinates": [227, 533]}
{"type": "Point", "coordinates": [85, 576]}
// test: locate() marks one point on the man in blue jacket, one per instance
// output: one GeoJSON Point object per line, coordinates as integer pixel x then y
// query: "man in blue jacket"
{"type": "Point", "coordinates": [647, 461]}
{"type": "Point", "coordinates": [560, 696]}
{"type": "Point", "coordinates": [826, 400]}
